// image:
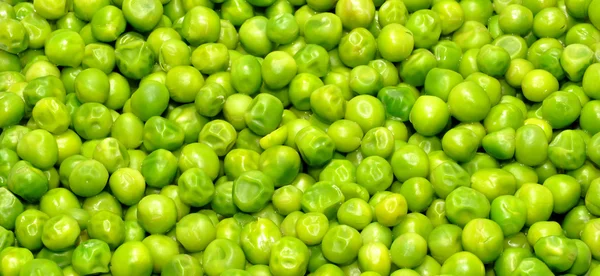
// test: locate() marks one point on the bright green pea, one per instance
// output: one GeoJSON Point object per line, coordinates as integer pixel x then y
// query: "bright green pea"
{"type": "Point", "coordinates": [448, 54]}
{"type": "Point", "coordinates": [408, 250]}
{"type": "Point", "coordinates": [127, 185]}
{"type": "Point", "coordinates": [436, 213]}
{"type": "Point", "coordinates": [136, 256]}
{"type": "Point", "coordinates": [195, 232]}
{"type": "Point", "coordinates": [565, 190]}
{"type": "Point", "coordinates": [567, 150]}
{"type": "Point", "coordinates": [426, 28]}
{"type": "Point", "coordinates": [245, 75]}
{"type": "Point", "coordinates": [159, 218]}
{"type": "Point", "coordinates": [471, 35]}
{"type": "Point", "coordinates": [281, 163]}
{"type": "Point", "coordinates": [468, 102]}
{"type": "Point", "coordinates": [375, 174]}
{"type": "Point", "coordinates": [173, 53]}
{"type": "Point", "coordinates": [510, 214]}
{"type": "Point", "coordinates": [557, 252]}
{"type": "Point", "coordinates": [29, 226]}
{"type": "Point", "coordinates": [418, 192]}
{"type": "Point", "coordinates": [355, 14]}
{"type": "Point", "coordinates": [88, 178]}
{"type": "Point", "coordinates": [182, 264]}
{"type": "Point", "coordinates": [462, 263]}
{"type": "Point", "coordinates": [221, 255]}
{"type": "Point", "coordinates": [253, 36]}
{"type": "Point", "coordinates": [107, 227]}
{"type": "Point", "coordinates": [287, 199]}
{"type": "Point", "coordinates": [466, 204]}
{"type": "Point", "coordinates": [159, 168]}
{"type": "Point", "coordinates": [60, 233]}
{"type": "Point", "coordinates": [583, 33]}
{"type": "Point", "coordinates": [429, 115]}
{"type": "Point", "coordinates": [135, 59]}
{"type": "Point", "coordinates": [405, 158]}
{"type": "Point", "coordinates": [289, 256]}
{"type": "Point", "coordinates": [257, 238]}
{"type": "Point", "coordinates": [340, 252]}
{"type": "Point", "coordinates": [538, 200]}
{"type": "Point", "coordinates": [460, 144]}
{"type": "Point", "coordinates": [490, 233]}
{"type": "Point", "coordinates": [252, 191]}
{"type": "Point", "coordinates": [358, 47]}
{"type": "Point", "coordinates": [510, 259]}
{"type": "Point", "coordinates": [283, 29]}
{"type": "Point", "coordinates": [12, 109]}
{"type": "Point", "coordinates": [346, 135]}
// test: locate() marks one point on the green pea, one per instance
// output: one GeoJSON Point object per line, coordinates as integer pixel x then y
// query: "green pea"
{"type": "Point", "coordinates": [322, 197]}
{"type": "Point", "coordinates": [150, 99]}
{"type": "Point", "coordinates": [291, 252]}
{"type": "Point", "coordinates": [288, 199]}
{"type": "Point", "coordinates": [195, 232]}
{"type": "Point", "coordinates": [245, 75]}
{"type": "Point", "coordinates": [252, 190]}
{"type": "Point", "coordinates": [538, 200]}
{"type": "Point", "coordinates": [283, 29]}
{"type": "Point", "coordinates": [135, 59]}
{"type": "Point", "coordinates": [487, 230]}
{"type": "Point", "coordinates": [159, 218]}
{"type": "Point", "coordinates": [159, 168]}
{"type": "Point", "coordinates": [281, 164]}
{"type": "Point", "coordinates": [471, 35]}
{"type": "Point", "coordinates": [12, 109]}
{"type": "Point", "coordinates": [462, 263]}
{"type": "Point", "coordinates": [341, 252]}
{"type": "Point", "coordinates": [88, 178]}
{"type": "Point", "coordinates": [182, 264]}
{"type": "Point", "coordinates": [564, 257]}
{"type": "Point", "coordinates": [136, 256]}
{"type": "Point", "coordinates": [510, 259]}
{"type": "Point", "coordinates": [358, 47]}
{"type": "Point", "coordinates": [253, 36]}
{"type": "Point", "coordinates": [566, 150]}
{"type": "Point", "coordinates": [221, 255]}
{"type": "Point", "coordinates": [429, 115]}
{"type": "Point", "coordinates": [460, 211]}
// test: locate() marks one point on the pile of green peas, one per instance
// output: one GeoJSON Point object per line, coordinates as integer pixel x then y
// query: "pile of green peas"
{"type": "Point", "coordinates": [299, 137]}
